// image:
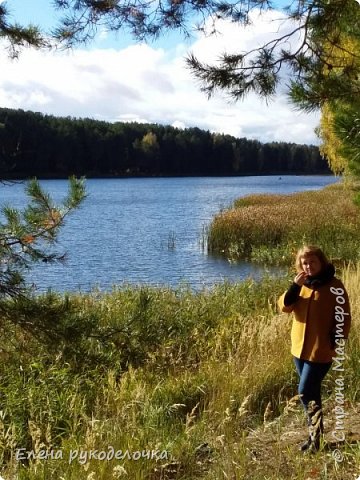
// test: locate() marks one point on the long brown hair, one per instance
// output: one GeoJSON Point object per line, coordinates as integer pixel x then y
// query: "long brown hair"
{"type": "Point", "coordinates": [308, 250]}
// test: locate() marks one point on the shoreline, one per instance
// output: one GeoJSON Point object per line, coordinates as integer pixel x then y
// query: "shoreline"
{"type": "Point", "coordinates": [10, 178]}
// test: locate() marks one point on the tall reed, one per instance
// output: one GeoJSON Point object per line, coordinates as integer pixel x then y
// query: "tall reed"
{"type": "Point", "coordinates": [270, 228]}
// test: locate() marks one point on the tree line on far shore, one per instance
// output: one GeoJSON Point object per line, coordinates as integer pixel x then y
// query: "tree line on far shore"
{"type": "Point", "coordinates": [45, 146]}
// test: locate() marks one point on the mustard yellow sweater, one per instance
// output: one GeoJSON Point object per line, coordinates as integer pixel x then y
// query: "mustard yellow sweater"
{"type": "Point", "coordinates": [321, 321]}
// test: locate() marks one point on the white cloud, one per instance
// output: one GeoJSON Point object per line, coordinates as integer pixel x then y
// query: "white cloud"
{"type": "Point", "coordinates": [147, 84]}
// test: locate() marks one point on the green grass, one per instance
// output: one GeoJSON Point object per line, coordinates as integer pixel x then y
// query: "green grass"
{"type": "Point", "coordinates": [143, 369]}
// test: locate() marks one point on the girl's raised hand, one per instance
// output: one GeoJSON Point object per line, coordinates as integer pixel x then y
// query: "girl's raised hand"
{"type": "Point", "coordinates": [300, 278]}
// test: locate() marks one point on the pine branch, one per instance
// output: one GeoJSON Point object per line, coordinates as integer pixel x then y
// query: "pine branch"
{"type": "Point", "coordinates": [25, 235]}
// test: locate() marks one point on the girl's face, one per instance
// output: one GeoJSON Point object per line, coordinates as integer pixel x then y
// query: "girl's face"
{"type": "Point", "coordinates": [311, 265]}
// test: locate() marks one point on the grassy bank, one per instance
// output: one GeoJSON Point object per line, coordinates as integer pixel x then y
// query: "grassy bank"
{"type": "Point", "coordinates": [270, 228]}
{"type": "Point", "coordinates": [205, 379]}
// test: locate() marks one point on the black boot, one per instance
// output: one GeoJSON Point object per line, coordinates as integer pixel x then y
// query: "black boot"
{"type": "Point", "coordinates": [316, 429]}
{"type": "Point", "coordinates": [316, 426]}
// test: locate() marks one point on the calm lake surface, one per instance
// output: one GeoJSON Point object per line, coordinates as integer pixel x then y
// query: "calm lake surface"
{"type": "Point", "coordinates": [148, 231]}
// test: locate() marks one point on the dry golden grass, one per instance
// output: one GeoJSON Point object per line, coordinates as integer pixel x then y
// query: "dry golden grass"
{"type": "Point", "coordinates": [218, 394]}
{"type": "Point", "coordinates": [272, 227]}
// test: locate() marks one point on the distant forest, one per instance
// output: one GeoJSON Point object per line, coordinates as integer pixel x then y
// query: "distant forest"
{"type": "Point", "coordinates": [45, 146]}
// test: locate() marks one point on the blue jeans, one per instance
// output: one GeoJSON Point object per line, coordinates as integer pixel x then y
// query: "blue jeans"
{"type": "Point", "coordinates": [311, 374]}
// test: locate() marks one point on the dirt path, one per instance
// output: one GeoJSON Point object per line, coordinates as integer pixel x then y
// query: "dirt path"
{"type": "Point", "coordinates": [275, 447]}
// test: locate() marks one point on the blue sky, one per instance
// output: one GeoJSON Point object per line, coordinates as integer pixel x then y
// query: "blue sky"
{"type": "Point", "coordinates": [31, 11]}
{"type": "Point", "coordinates": [118, 79]}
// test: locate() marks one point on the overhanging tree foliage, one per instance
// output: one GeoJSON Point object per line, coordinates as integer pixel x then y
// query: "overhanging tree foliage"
{"type": "Point", "coordinates": [315, 67]}
{"type": "Point", "coordinates": [79, 20]}
{"type": "Point", "coordinates": [17, 35]}
{"type": "Point", "coordinates": [315, 76]}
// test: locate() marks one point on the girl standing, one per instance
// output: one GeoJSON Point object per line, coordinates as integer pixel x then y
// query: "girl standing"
{"type": "Point", "coordinates": [314, 298]}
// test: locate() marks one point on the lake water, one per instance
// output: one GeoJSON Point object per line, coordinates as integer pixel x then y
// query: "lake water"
{"type": "Point", "coordinates": [148, 231]}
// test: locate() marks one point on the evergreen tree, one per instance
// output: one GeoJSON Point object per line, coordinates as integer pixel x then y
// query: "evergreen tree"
{"type": "Point", "coordinates": [45, 146]}
{"type": "Point", "coordinates": [340, 123]}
